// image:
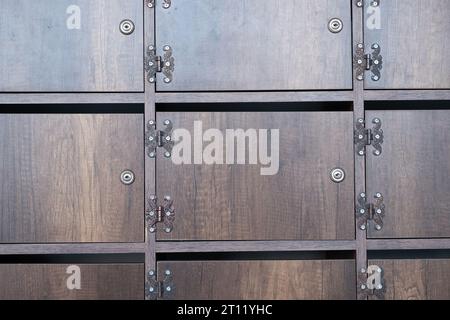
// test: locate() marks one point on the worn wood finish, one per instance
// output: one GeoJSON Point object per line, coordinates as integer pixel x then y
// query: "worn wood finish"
{"type": "Point", "coordinates": [60, 178]}
{"type": "Point", "coordinates": [242, 45]}
{"type": "Point", "coordinates": [78, 98]}
{"type": "Point", "coordinates": [262, 280]}
{"type": "Point", "coordinates": [71, 248]}
{"type": "Point", "coordinates": [412, 173]}
{"type": "Point", "coordinates": [416, 279]}
{"type": "Point", "coordinates": [40, 53]}
{"type": "Point", "coordinates": [407, 244]}
{"type": "Point", "coordinates": [49, 282]}
{"type": "Point", "coordinates": [235, 202]}
{"type": "Point", "coordinates": [407, 31]}
{"type": "Point", "coordinates": [404, 95]}
{"type": "Point", "coordinates": [254, 246]}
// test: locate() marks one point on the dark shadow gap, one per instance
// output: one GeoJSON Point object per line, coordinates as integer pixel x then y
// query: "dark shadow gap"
{"type": "Point", "coordinates": [408, 105]}
{"type": "Point", "coordinates": [73, 258]}
{"type": "Point", "coordinates": [409, 254]}
{"type": "Point", "coordinates": [121, 108]}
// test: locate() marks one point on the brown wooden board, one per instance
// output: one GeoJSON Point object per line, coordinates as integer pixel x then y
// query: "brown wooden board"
{"type": "Point", "coordinates": [412, 173]}
{"type": "Point", "coordinates": [242, 45]}
{"type": "Point", "coordinates": [236, 202]}
{"type": "Point", "coordinates": [415, 279]}
{"type": "Point", "coordinates": [413, 36]}
{"type": "Point", "coordinates": [60, 178]}
{"type": "Point", "coordinates": [43, 49]}
{"type": "Point", "coordinates": [52, 281]}
{"type": "Point", "coordinates": [265, 280]}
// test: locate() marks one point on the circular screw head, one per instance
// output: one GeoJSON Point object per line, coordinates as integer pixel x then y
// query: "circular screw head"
{"type": "Point", "coordinates": [152, 229]}
{"type": "Point", "coordinates": [376, 62]}
{"type": "Point", "coordinates": [151, 48]}
{"type": "Point", "coordinates": [168, 288]}
{"type": "Point", "coordinates": [151, 289]}
{"type": "Point", "coordinates": [379, 287]}
{"type": "Point", "coordinates": [151, 80]}
{"type": "Point", "coordinates": [167, 154]}
{"type": "Point", "coordinates": [375, 46]}
{"type": "Point", "coordinates": [378, 195]}
{"type": "Point", "coordinates": [151, 122]}
{"type": "Point", "coordinates": [362, 195]}
{"type": "Point", "coordinates": [152, 155]}
{"type": "Point", "coordinates": [377, 136]}
{"type": "Point", "coordinates": [362, 211]}
{"type": "Point", "coordinates": [151, 138]}
{"type": "Point", "coordinates": [361, 120]}
{"type": "Point", "coordinates": [166, 48]}
{"type": "Point", "coordinates": [363, 286]}
{"type": "Point", "coordinates": [151, 273]}
{"type": "Point", "coordinates": [168, 272]}
{"type": "Point", "coordinates": [167, 80]}
{"type": "Point", "coordinates": [379, 270]}
{"type": "Point", "coordinates": [378, 227]}
{"type": "Point", "coordinates": [168, 138]}
{"type": "Point", "coordinates": [361, 153]}
{"type": "Point", "coordinates": [126, 27]}
{"type": "Point", "coordinates": [168, 198]}
{"type": "Point", "coordinates": [166, 6]}
{"type": "Point", "coordinates": [375, 78]}
{"type": "Point", "coordinates": [363, 227]}
{"type": "Point", "coordinates": [151, 213]}
{"type": "Point", "coordinates": [360, 45]}
{"type": "Point", "coordinates": [166, 122]}
{"type": "Point", "coordinates": [379, 211]}
{"type": "Point", "coordinates": [359, 4]}
{"type": "Point", "coordinates": [376, 120]}
{"type": "Point", "coordinates": [167, 230]}
{"type": "Point", "coordinates": [337, 175]}
{"type": "Point", "coordinates": [363, 270]}
{"type": "Point", "coordinates": [335, 25]}
{"type": "Point", "coordinates": [127, 177]}
{"type": "Point", "coordinates": [360, 78]}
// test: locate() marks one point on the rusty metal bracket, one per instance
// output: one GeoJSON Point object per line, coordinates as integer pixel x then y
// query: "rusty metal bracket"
{"type": "Point", "coordinates": [371, 283]}
{"type": "Point", "coordinates": [154, 64]}
{"type": "Point", "coordinates": [372, 62]}
{"type": "Point", "coordinates": [160, 213]}
{"type": "Point", "coordinates": [364, 137]}
{"type": "Point", "coordinates": [366, 211]}
{"type": "Point", "coordinates": [155, 139]}
{"type": "Point", "coordinates": [155, 289]}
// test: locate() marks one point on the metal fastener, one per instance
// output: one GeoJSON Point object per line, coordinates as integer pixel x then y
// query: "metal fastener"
{"type": "Point", "coordinates": [377, 152]}
{"type": "Point", "coordinates": [127, 27]}
{"type": "Point", "coordinates": [363, 286]}
{"type": "Point", "coordinates": [167, 230]}
{"type": "Point", "coordinates": [167, 198]}
{"type": "Point", "coordinates": [363, 270]}
{"type": "Point", "coordinates": [168, 272]}
{"type": "Point", "coordinates": [361, 153]}
{"type": "Point", "coordinates": [152, 155]}
{"type": "Point", "coordinates": [337, 175]}
{"type": "Point", "coordinates": [127, 177]}
{"type": "Point", "coordinates": [362, 195]}
{"type": "Point", "coordinates": [335, 25]}
{"type": "Point", "coordinates": [152, 230]}
{"type": "Point", "coordinates": [151, 273]}
{"type": "Point", "coordinates": [378, 195]}
{"type": "Point", "coordinates": [168, 288]}
{"type": "Point", "coordinates": [378, 227]}
{"type": "Point", "coordinates": [151, 80]}
{"type": "Point", "coordinates": [363, 227]}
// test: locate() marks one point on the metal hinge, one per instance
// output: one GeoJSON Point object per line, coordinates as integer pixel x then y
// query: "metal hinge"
{"type": "Point", "coordinates": [160, 213]}
{"type": "Point", "coordinates": [156, 64]}
{"type": "Point", "coordinates": [155, 289]}
{"type": "Point", "coordinates": [155, 139]}
{"type": "Point", "coordinates": [371, 283]}
{"type": "Point", "coordinates": [373, 3]}
{"type": "Point", "coordinates": [368, 62]}
{"type": "Point", "coordinates": [368, 137]}
{"type": "Point", "coordinates": [367, 211]}
{"type": "Point", "coordinates": [166, 4]}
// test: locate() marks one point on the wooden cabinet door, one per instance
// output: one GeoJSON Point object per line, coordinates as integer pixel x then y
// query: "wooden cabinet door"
{"type": "Point", "coordinates": [412, 173]}
{"type": "Point", "coordinates": [233, 201]}
{"type": "Point", "coordinates": [60, 178]}
{"type": "Point", "coordinates": [423, 279]}
{"type": "Point", "coordinates": [413, 36]}
{"type": "Point", "coordinates": [242, 45]}
{"type": "Point", "coordinates": [261, 280]}
{"type": "Point", "coordinates": [71, 282]}
{"type": "Point", "coordinates": [71, 46]}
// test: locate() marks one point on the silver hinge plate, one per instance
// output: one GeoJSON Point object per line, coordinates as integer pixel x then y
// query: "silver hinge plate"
{"type": "Point", "coordinates": [156, 64]}
{"type": "Point", "coordinates": [372, 62]}
{"type": "Point", "coordinates": [371, 282]}
{"type": "Point", "coordinates": [155, 139]}
{"type": "Point", "coordinates": [364, 137]}
{"type": "Point", "coordinates": [166, 4]}
{"type": "Point", "coordinates": [155, 289]}
{"type": "Point", "coordinates": [367, 211]}
{"type": "Point", "coordinates": [160, 213]}
{"type": "Point", "coordinates": [373, 3]}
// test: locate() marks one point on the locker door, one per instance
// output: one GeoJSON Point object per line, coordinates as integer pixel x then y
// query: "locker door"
{"type": "Point", "coordinates": [71, 46]}
{"type": "Point", "coordinates": [242, 45]}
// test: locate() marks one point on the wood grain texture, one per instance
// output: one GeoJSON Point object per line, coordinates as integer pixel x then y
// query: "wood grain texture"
{"type": "Point", "coordinates": [262, 280]}
{"type": "Point", "coordinates": [408, 244]}
{"type": "Point", "coordinates": [414, 44]}
{"type": "Point", "coordinates": [404, 95]}
{"type": "Point", "coordinates": [49, 282]}
{"type": "Point", "coordinates": [416, 279]}
{"type": "Point", "coordinates": [70, 248]}
{"type": "Point", "coordinates": [254, 246]}
{"type": "Point", "coordinates": [235, 202]}
{"type": "Point", "coordinates": [241, 45]}
{"type": "Point", "coordinates": [412, 173]}
{"type": "Point", "coordinates": [79, 98]}
{"type": "Point", "coordinates": [60, 178]}
{"type": "Point", "coordinates": [42, 54]}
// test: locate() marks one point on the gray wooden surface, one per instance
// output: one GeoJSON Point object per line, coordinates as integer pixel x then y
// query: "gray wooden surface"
{"type": "Point", "coordinates": [256, 45]}
{"type": "Point", "coordinates": [414, 44]}
{"type": "Point", "coordinates": [40, 53]}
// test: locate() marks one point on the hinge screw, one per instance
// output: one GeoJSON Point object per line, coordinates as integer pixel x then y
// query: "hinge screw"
{"type": "Point", "coordinates": [168, 198]}
{"type": "Point", "coordinates": [166, 122]}
{"type": "Point", "coordinates": [379, 287]}
{"type": "Point", "coordinates": [168, 288]}
{"type": "Point", "coordinates": [168, 213]}
{"type": "Point", "coordinates": [375, 78]}
{"type": "Point", "coordinates": [168, 138]}
{"type": "Point", "coordinates": [151, 80]}
{"type": "Point", "coordinates": [377, 136]}
{"type": "Point", "coordinates": [376, 62]}
{"type": "Point", "coordinates": [363, 270]}
{"type": "Point", "coordinates": [152, 229]}
{"type": "Point", "coordinates": [151, 213]}
{"type": "Point", "coordinates": [151, 122]}
{"type": "Point", "coordinates": [167, 80]}
{"type": "Point", "coordinates": [168, 273]}
{"type": "Point", "coordinates": [363, 286]}
{"type": "Point", "coordinates": [359, 4]}
{"type": "Point", "coordinates": [152, 155]}
{"type": "Point", "coordinates": [167, 230]}
{"type": "Point", "coordinates": [362, 211]}
{"type": "Point", "coordinates": [150, 4]}
{"type": "Point", "coordinates": [374, 4]}
{"type": "Point", "coordinates": [168, 63]}
{"type": "Point", "coordinates": [151, 48]}
{"type": "Point", "coordinates": [360, 45]}
{"type": "Point", "coordinates": [361, 136]}
{"type": "Point", "coordinates": [375, 46]}
{"type": "Point", "coordinates": [151, 63]}
{"type": "Point", "coordinates": [363, 227]}
{"type": "Point", "coordinates": [360, 120]}
{"type": "Point", "coordinates": [378, 227]}
{"type": "Point", "coordinates": [167, 154]}
{"type": "Point", "coordinates": [151, 138]}
{"type": "Point", "coordinates": [151, 289]}
{"type": "Point", "coordinates": [166, 48]}
{"type": "Point", "coordinates": [360, 78]}
{"type": "Point", "coordinates": [379, 211]}
{"type": "Point", "coordinates": [376, 120]}
{"type": "Point", "coordinates": [361, 153]}
{"type": "Point", "coordinates": [377, 152]}
{"type": "Point", "coordinates": [166, 6]}
{"type": "Point", "coordinates": [151, 273]}
{"type": "Point", "coordinates": [379, 270]}
{"type": "Point", "coordinates": [362, 195]}
{"type": "Point", "coordinates": [360, 61]}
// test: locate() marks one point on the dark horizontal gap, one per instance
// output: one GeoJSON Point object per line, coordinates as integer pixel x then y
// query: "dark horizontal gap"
{"type": "Point", "coordinates": [255, 91]}
{"type": "Point", "coordinates": [254, 107]}
{"type": "Point", "coordinates": [269, 255]}
{"type": "Point", "coordinates": [408, 105]}
{"type": "Point", "coordinates": [73, 258]}
{"type": "Point", "coordinates": [409, 254]}
{"type": "Point", "coordinates": [73, 108]}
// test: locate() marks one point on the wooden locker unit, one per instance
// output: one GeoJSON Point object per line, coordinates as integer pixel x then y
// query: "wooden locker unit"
{"type": "Point", "coordinates": [56, 282]}
{"type": "Point", "coordinates": [71, 46]}
{"type": "Point", "coordinates": [262, 280]}
{"type": "Point", "coordinates": [61, 178]}
{"type": "Point", "coordinates": [236, 202]}
{"type": "Point", "coordinates": [242, 45]}
{"type": "Point", "coordinates": [418, 279]}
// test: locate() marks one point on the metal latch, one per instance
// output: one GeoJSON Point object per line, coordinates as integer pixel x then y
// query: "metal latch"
{"type": "Point", "coordinates": [155, 289]}
{"type": "Point", "coordinates": [365, 137]}
{"type": "Point", "coordinates": [156, 64]}
{"type": "Point", "coordinates": [368, 62]}
{"type": "Point", "coordinates": [366, 211]}
{"type": "Point", "coordinates": [159, 138]}
{"type": "Point", "coordinates": [371, 283]}
{"type": "Point", "coordinates": [164, 213]}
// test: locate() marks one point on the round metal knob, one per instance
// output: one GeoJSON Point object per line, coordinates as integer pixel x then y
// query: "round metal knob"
{"type": "Point", "coordinates": [335, 25]}
{"type": "Point", "coordinates": [127, 27]}
{"type": "Point", "coordinates": [337, 175]}
{"type": "Point", "coordinates": [127, 177]}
